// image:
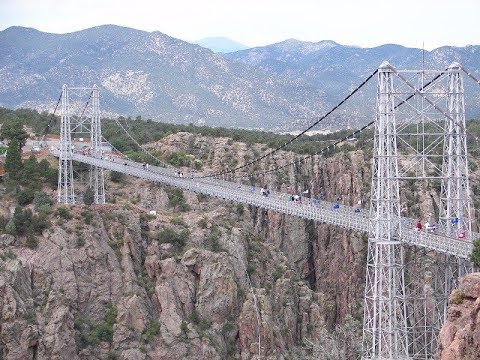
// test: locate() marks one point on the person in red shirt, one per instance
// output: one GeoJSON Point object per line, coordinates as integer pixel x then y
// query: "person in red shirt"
{"type": "Point", "coordinates": [419, 226]}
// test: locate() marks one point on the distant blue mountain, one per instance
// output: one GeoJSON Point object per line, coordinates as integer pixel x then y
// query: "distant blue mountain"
{"type": "Point", "coordinates": [220, 44]}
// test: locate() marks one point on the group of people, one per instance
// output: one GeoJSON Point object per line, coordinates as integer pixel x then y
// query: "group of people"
{"type": "Point", "coordinates": [296, 198]}
{"type": "Point", "coordinates": [264, 191]}
{"type": "Point", "coordinates": [429, 227]}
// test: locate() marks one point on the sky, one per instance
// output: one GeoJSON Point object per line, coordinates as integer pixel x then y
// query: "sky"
{"type": "Point", "coordinates": [364, 23]}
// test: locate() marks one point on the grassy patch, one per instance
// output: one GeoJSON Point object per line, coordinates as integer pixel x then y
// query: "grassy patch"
{"type": "Point", "coordinates": [152, 330]}
{"type": "Point", "coordinates": [212, 241]}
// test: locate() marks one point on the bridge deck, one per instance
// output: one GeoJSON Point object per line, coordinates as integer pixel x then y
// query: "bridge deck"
{"type": "Point", "coordinates": [324, 212]}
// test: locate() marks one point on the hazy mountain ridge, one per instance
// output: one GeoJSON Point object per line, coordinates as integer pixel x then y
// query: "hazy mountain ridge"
{"type": "Point", "coordinates": [281, 86]}
{"type": "Point", "coordinates": [335, 68]}
{"type": "Point", "coordinates": [151, 74]}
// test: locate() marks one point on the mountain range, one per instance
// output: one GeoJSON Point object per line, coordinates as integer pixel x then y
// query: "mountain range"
{"type": "Point", "coordinates": [278, 87]}
{"type": "Point", "coordinates": [220, 44]}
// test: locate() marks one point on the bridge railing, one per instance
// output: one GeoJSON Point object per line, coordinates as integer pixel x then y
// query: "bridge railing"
{"type": "Point", "coordinates": [323, 211]}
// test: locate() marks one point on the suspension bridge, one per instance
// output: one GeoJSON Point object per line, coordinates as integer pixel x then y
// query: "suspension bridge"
{"type": "Point", "coordinates": [424, 106]}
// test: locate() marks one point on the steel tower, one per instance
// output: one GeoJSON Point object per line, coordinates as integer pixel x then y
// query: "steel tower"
{"type": "Point", "coordinates": [97, 183]}
{"type": "Point", "coordinates": [385, 329]}
{"type": "Point", "coordinates": [84, 124]}
{"type": "Point", "coordinates": [407, 288]}
{"type": "Point", "coordinates": [456, 212]}
{"type": "Point", "coordinates": [66, 191]}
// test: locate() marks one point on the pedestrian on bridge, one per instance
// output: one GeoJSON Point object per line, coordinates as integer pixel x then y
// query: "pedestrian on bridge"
{"type": "Point", "coordinates": [419, 225]}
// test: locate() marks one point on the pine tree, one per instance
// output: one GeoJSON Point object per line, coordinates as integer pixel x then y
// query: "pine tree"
{"type": "Point", "coordinates": [13, 161]}
{"type": "Point", "coordinates": [31, 173]}
{"type": "Point", "coordinates": [12, 128]}
{"type": "Point", "coordinates": [88, 196]}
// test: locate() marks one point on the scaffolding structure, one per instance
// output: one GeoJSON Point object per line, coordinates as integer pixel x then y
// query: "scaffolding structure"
{"type": "Point", "coordinates": [407, 288]}
{"type": "Point", "coordinates": [80, 121]}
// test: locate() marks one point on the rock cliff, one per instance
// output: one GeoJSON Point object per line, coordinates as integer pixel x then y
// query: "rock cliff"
{"type": "Point", "coordinates": [201, 279]}
{"type": "Point", "coordinates": [460, 335]}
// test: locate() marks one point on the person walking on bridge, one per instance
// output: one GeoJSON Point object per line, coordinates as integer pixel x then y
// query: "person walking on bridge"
{"type": "Point", "coordinates": [419, 225]}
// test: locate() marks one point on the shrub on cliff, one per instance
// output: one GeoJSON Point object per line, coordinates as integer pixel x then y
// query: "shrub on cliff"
{"type": "Point", "coordinates": [91, 334]}
{"type": "Point", "coordinates": [25, 197]}
{"type": "Point", "coordinates": [212, 241]}
{"type": "Point", "coordinates": [177, 200]}
{"type": "Point", "coordinates": [475, 255]}
{"type": "Point", "coordinates": [116, 176]}
{"type": "Point", "coordinates": [177, 239]}
{"type": "Point", "coordinates": [24, 223]}
{"type": "Point", "coordinates": [152, 330]}
{"type": "Point", "coordinates": [64, 213]}
{"type": "Point", "coordinates": [3, 223]}
{"type": "Point", "coordinates": [178, 158]}
{"type": "Point", "coordinates": [88, 196]}
{"type": "Point", "coordinates": [41, 199]}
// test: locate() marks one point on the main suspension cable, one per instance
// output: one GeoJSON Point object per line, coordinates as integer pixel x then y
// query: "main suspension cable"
{"type": "Point", "coordinates": [469, 74]}
{"type": "Point", "coordinates": [141, 148]}
{"type": "Point", "coordinates": [338, 142]}
{"type": "Point", "coordinates": [299, 161]}
{"type": "Point", "coordinates": [254, 161]}
{"type": "Point", "coordinates": [52, 119]}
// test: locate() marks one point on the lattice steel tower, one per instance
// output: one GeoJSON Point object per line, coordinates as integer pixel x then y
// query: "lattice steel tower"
{"type": "Point", "coordinates": [66, 191]}
{"type": "Point", "coordinates": [419, 135]}
{"type": "Point", "coordinates": [455, 193]}
{"type": "Point", "coordinates": [385, 318]}
{"type": "Point", "coordinates": [85, 124]}
{"type": "Point", "coordinates": [96, 173]}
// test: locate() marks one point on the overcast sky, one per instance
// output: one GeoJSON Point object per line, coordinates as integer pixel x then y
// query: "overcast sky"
{"type": "Point", "coordinates": [364, 23]}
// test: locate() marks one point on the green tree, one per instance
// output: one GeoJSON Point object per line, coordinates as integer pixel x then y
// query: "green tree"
{"type": "Point", "coordinates": [25, 197]}
{"type": "Point", "coordinates": [64, 213]}
{"type": "Point", "coordinates": [41, 199]}
{"type": "Point", "coordinates": [12, 128]}
{"type": "Point", "coordinates": [31, 173]}
{"type": "Point", "coordinates": [51, 177]}
{"type": "Point", "coordinates": [43, 167]}
{"type": "Point", "coordinates": [88, 196]}
{"type": "Point", "coordinates": [475, 255]}
{"type": "Point", "coordinates": [22, 220]}
{"type": "Point", "coordinates": [177, 200]}
{"type": "Point", "coordinates": [178, 158]}
{"type": "Point", "coordinates": [13, 161]}
{"type": "Point", "coordinates": [177, 239]}
{"type": "Point", "coordinates": [116, 176]}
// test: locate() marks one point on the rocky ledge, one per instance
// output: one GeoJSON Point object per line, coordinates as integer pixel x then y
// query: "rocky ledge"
{"type": "Point", "coordinates": [460, 335]}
